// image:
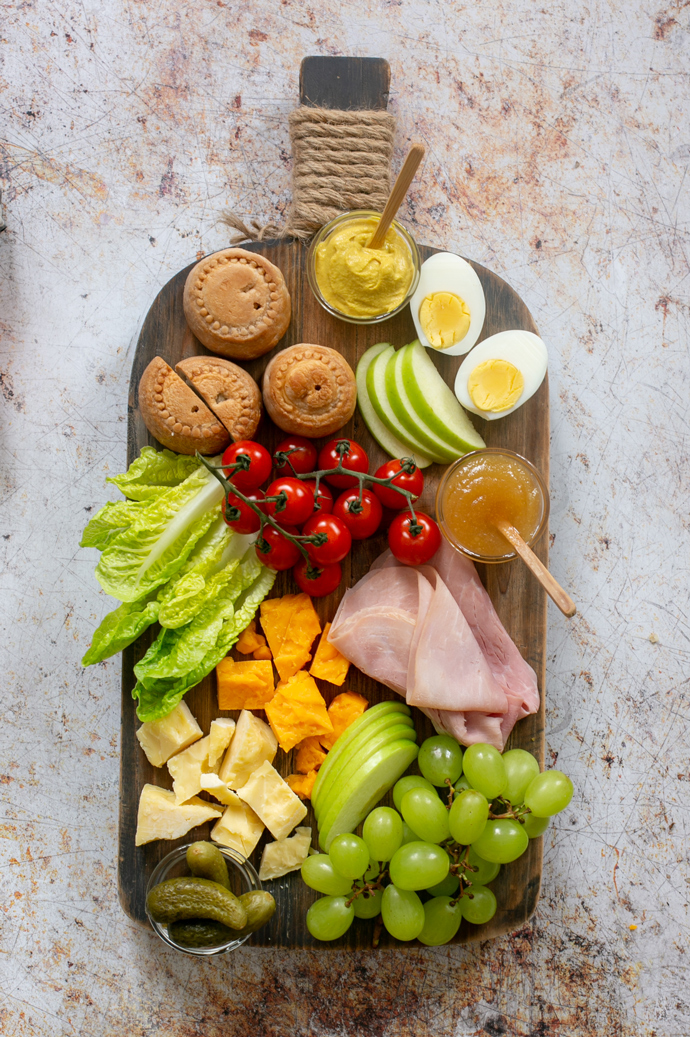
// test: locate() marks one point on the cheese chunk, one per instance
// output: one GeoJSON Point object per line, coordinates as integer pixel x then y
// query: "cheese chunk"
{"type": "Point", "coordinates": [290, 624]}
{"type": "Point", "coordinates": [221, 734]}
{"type": "Point", "coordinates": [273, 801]}
{"type": "Point", "coordinates": [310, 755]}
{"type": "Point", "coordinates": [162, 817]}
{"type": "Point", "coordinates": [217, 788]}
{"type": "Point", "coordinates": [302, 784]}
{"type": "Point", "coordinates": [252, 744]}
{"type": "Point", "coordinates": [285, 856]}
{"type": "Point", "coordinates": [244, 685]}
{"type": "Point", "coordinates": [297, 711]}
{"type": "Point", "coordinates": [329, 664]}
{"type": "Point", "coordinates": [249, 641]}
{"type": "Point", "coordinates": [187, 767]}
{"type": "Point", "coordinates": [239, 827]}
{"type": "Point", "coordinates": [343, 711]}
{"type": "Point", "coordinates": [161, 739]}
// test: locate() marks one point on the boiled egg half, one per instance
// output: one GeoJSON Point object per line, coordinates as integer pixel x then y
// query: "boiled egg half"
{"type": "Point", "coordinates": [448, 305]}
{"type": "Point", "coordinates": [501, 373]}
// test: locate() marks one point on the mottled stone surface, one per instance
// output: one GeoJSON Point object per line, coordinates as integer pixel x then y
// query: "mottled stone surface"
{"type": "Point", "coordinates": [558, 148]}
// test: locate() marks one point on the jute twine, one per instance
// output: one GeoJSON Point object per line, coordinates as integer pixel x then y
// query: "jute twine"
{"type": "Point", "coordinates": [341, 161]}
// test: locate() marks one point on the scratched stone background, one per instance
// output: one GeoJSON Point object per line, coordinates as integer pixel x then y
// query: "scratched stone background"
{"type": "Point", "coordinates": [558, 147]}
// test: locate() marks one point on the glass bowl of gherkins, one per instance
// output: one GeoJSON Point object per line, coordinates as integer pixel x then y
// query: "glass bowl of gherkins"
{"type": "Point", "coordinates": [205, 899]}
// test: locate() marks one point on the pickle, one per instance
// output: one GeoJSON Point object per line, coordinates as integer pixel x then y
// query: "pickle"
{"type": "Point", "coordinates": [207, 862]}
{"type": "Point", "coordinates": [260, 907]}
{"type": "Point", "coordinates": [200, 932]}
{"type": "Point", "coordinates": [177, 899]}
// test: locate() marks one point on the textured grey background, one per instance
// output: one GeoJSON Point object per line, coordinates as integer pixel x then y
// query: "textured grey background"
{"type": "Point", "coordinates": [558, 147]}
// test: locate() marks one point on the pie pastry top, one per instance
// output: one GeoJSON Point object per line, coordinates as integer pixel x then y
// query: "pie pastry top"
{"type": "Point", "coordinates": [231, 392]}
{"type": "Point", "coordinates": [175, 415]}
{"type": "Point", "coordinates": [309, 390]}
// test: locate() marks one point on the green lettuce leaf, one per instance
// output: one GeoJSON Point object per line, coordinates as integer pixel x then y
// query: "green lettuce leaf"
{"type": "Point", "coordinates": [107, 524]}
{"type": "Point", "coordinates": [120, 627]}
{"type": "Point", "coordinates": [154, 472]}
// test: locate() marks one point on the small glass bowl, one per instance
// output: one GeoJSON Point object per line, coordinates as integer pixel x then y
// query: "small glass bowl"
{"type": "Point", "coordinates": [335, 224]}
{"type": "Point", "coordinates": [448, 475]}
{"type": "Point", "coordinates": [243, 878]}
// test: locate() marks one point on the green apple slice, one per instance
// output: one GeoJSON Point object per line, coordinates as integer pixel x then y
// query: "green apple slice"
{"type": "Point", "coordinates": [434, 402]}
{"type": "Point", "coordinates": [404, 410]}
{"type": "Point", "coordinates": [381, 433]}
{"type": "Point", "coordinates": [353, 760]}
{"type": "Point", "coordinates": [373, 780]}
{"type": "Point", "coordinates": [370, 716]}
{"type": "Point", "coordinates": [377, 392]}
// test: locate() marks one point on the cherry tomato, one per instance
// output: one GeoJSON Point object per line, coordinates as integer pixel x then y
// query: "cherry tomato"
{"type": "Point", "coordinates": [301, 455]}
{"type": "Point", "coordinates": [299, 501]}
{"type": "Point", "coordinates": [323, 505]}
{"type": "Point", "coordinates": [336, 546]}
{"type": "Point", "coordinates": [408, 547]}
{"type": "Point", "coordinates": [260, 464]}
{"type": "Point", "coordinates": [329, 577]}
{"type": "Point", "coordinates": [412, 481]}
{"type": "Point", "coordinates": [281, 553]}
{"type": "Point", "coordinates": [362, 523]}
{"type": "Point", "coordinates": [354, 457]}
{"type": "Point", "coordinates": [247, 521]}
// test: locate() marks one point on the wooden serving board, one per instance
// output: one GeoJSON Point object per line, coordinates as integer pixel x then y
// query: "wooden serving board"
{"type": "Point", "coordinates": [518, 598]}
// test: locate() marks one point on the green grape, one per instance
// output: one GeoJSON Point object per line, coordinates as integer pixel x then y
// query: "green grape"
{"type": "Point", "coordinates": [535, 826]}
{"type": "Point", "coordinates": [319, 874]}
{"type": "Point", "coordinates": [502, 841]}
{"type": "Point", "coordinates": [468, 816]}
{"type": "Point", "coordinates": [329, 917]}
{"type": "Point", "coordinates": [368, 906]}
{"type": "Point", "coordinates": [409, 836]}
{"type": "Point", "coordinates": [403, 913]}
{"type": "Point", "coordinates": [549, 793]}
{"type": "Point", "coordinates": [521, 768]}
{"type": "Point", "coordinates": [440, 759]}
{"type": "Point", "coordinates": [370, 875]}
{"type": "Point", "coordinates": [478, 905]}
{"type": "Point", "coordinates": [446, 888]}
{"type": "Point", "coordinates": [483, 766]}
{"type": "Point", "coordinates": [462, 783]}
{"type": "Point", "coordinates": [383, 833]}
{"type": "Point", "coordinates": [349, 855]}
{"type": "Point", "coordinates": [442, 918]}
{"type": "Point", "coordinates": [409, 781]}
{"type": "Point", "coordinates": [425, 814]}
{"type": "Point", "coordinates": [486, 870]}
{"type": "Point", "coordinates": [419, 865]}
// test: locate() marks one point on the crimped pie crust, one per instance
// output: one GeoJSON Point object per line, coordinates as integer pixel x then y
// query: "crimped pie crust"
{"type": "Point", "coordinates": [236, 303]}
{"type": "Point", "coordinates": [309, 390]}
{"type": "Point", "coordinates": [175, 415]}
{"type": "Point", "coordinates": [230, 392]}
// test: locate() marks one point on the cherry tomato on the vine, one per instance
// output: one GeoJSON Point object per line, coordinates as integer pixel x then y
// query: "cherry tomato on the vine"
{"type": "Point", "coordinates": [353, 457]}
{"type": "Point", "coordinates": [260, 464]}
{"type": "Point", "coordinates": [409, 547]}
{"type": "Point", "coordinates": [299, 500]}
{"type": "Point", "coordinates": [361, 523]}
{"type": "Point", "coordinates": [323, 504]}
{"type": "Point", "coordinates": [281, 553]}
{"type": "Point", "coordinates": [336, 546]}
{"type": "Point", "coordinates": [247, 521]}
{"type": "Point", "coordinates": [329, 577]}
{"type": "Point", "coordinates": [301, 455]}
{"type": "Point", "coordinates": [412, 481]}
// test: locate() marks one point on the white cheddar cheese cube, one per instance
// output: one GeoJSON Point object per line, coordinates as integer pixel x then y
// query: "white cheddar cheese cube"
{"type": "Point", "coordinates": [253, 743]}
{"type": "Point", "coordinates": [273, 800]}
{"type": "Point", "coordinates": [213, 784]}
{"type": "Point", "coordinates": [161, 739]}
{"type": "Point", "coordinates": [221, 734]}
{"type": "Point", "coordinates": [187, 767]}
{"type": "Point", "coordinates": [162, 817]}
{"type": "Point", "coordinates": [286, 855]}
{"type": "Point", "coordinates": [239, 827]}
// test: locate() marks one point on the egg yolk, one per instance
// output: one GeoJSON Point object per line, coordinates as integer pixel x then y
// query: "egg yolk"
{"type": "Point", "coordinates": [495, 385]}
{"type": "Point", "coordinates": [445, 319]}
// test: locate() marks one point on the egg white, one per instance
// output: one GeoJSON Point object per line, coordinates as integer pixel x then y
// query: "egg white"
{"type": "Point", "coordinates": [524, 350]}
{"type": "Point", "coordinates": [446, 272]}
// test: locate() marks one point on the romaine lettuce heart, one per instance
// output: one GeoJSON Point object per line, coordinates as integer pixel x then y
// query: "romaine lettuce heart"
{"type": "Point", "coordinates": [154, 472]}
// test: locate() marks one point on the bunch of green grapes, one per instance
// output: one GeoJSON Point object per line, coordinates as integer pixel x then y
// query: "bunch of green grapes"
{"type": "Point", "coordinates": [448, 849]}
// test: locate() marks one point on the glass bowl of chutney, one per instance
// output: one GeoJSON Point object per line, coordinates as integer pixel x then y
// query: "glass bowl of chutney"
{"type": "Point", "coordinates": [485, 486]}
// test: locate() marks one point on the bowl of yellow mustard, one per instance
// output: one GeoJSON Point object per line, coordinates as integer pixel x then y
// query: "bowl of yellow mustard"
{"type": "Point", "coordinates": [357, 283]}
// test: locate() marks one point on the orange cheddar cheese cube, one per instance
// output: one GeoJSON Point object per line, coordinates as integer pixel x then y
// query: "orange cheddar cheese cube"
{"type": "Point", "coordinates": [290, 624]}
{"type": "Point", "coordinates": [310, 755]}
{"type": "Point", "coordinates": [343, 711]}
{"type": "Point", "coordinates": [262, 653]}
{"type": "Point", "coordinates": [298, 711]}
{"type": "Point", "coordinates": [302, 784]}
{"type": "Point", "coordinates": [244, 685]}
{"type": "Point", "coordinates": [249, 640]}
{"type": "Point", "coordinates": [329, 664]}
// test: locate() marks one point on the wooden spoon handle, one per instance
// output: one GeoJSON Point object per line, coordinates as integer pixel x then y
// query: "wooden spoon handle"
{"type": "Point", "coordinates": [400, 188]}
{"type": "Point", "coordinates": [550, 585]}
